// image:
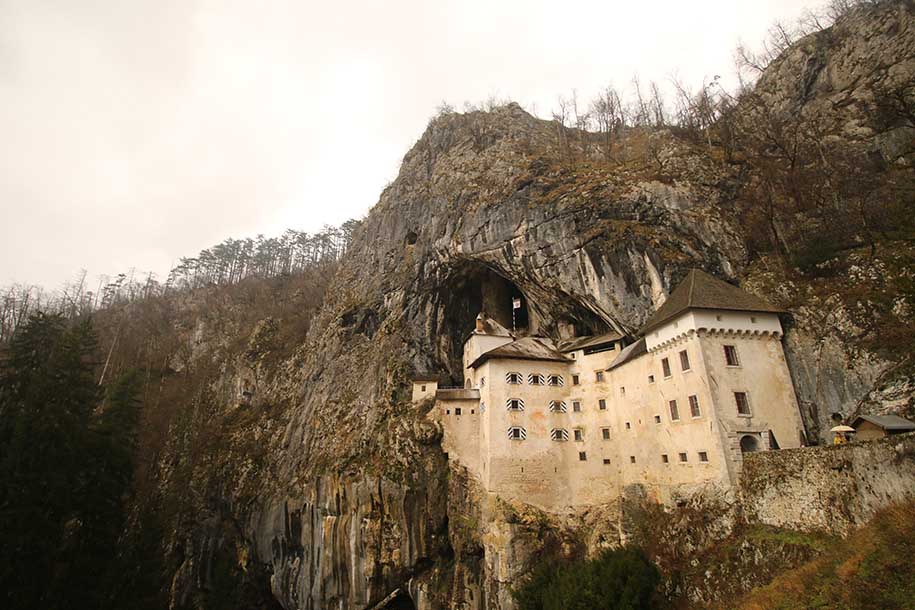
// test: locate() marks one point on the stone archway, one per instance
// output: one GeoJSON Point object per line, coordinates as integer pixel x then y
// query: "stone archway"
{"type": "Point", "coordinates": [749, 444]}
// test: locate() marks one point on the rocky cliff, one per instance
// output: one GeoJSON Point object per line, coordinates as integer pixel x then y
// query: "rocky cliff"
{"type": "Point", "coordinates": [321, 486]}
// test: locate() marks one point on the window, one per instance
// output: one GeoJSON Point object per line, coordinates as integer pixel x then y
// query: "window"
{"type": "Point", "coordinates": [535, 379]}
{"type": "Point", "coordinates": [582, 456]}
{"type": "Point", "coordinates": [674, 411]}
{"type": "Point", "coordinates": [683, 457]}
{"type": "Point", "coordinates": [457, 411]}
{"type": "Point", "coordinates": [447, 411]}
{"type": "Point", "coordinates": [482, 407]}
{"type": "Point", "coordinates": [517, 433]}
{"type": "Point", "coordinates": [694, 406]}
{"type": "Point", "coordinates": [657, 419]}
{"type": "Point", "coordinates": [555, 380]}
{"type": "Point", "coordinates": [665, 365]}
{"type": "Point", "coordinates": [578, 434]}
{"type": "Point", "coordinates": [576, 406]}
{"type": "Point", "coordinates": [622, 391]}
{"type": "Point", "coordinates": [753, 319]}
{"type": "Point", "coordinates": [482, 381]}
{"type": "Point", "coordinates": [422, 388]}
{"type": "Point", "coordinates": [743, 403]}
{"type": "Point", "coordinates": [602, 404]}
{"type": "Point", "coordinates": [718, 318]}
{"type": "Point", "coordinates": [703, 456]}
{"type": "Point", "coordinates": [472, 411]}
{"type": "Point", "coordinates": [598, 376]}
{"type": "Point", "coordinates": [632, 459]}
{"type": "Point", "coordinates": [684, 360]}
{"type": "Point", "coordinates": [628, 426]}
{"type": "Point", "coordinates": [605, 433]}
{"type": "Point", "coordinates": [558, 406]}
{"type": "Point", "coordinates": [730, 355]}
{"type": "Point", "coordinates": [606, 460]}
{"type": "Point", "coordinates": [664, 458]}
{"type": "Point", "coordinates": [575, 380]}
{"type": "Point", "coordinates": [513, 378]}
{"type": "Point", "coordinates": [651, 379]}
{"type": "Point", "coordinates": [514, 404]}
{"type": "Point", "coordinates": [559, 434]}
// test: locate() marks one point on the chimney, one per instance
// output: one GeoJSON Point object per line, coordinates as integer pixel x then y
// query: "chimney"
{"type": "Point", "coordinates": [480, 322]}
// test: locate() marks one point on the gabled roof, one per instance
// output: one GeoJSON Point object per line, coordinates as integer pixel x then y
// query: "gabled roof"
{"type": "Point", "coordinates": [528, 348]}
{"type": "Point", "coordinates": [590, 341]}
{"type": "Point", "coordinates": [630, 352]}
{"type": "Point", "coordinates": [699, 290]}
{"type": "Point", "coordinates": [893, 423]}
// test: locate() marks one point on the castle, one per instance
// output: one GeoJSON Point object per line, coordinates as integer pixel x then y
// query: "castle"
{"type": "Point", "coordinates": [573, 423]}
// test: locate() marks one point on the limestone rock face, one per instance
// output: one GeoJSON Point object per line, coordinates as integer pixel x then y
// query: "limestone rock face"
{"type": "Point", "coordinates": [351, 500]}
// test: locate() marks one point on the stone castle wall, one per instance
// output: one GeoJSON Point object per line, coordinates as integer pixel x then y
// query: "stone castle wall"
{"type": "Point", "coordinates": [827, 488]}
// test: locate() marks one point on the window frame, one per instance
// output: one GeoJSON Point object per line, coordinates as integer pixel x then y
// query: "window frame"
{"type": "Point", "coordinates": [703, 457]}
{"type": "Point", "coordinates": [536, 379]}
{"type": "Point", "coordinates": [555, 380]}
{"type": "Point", "coordinates": [576, 406]}
{"type": "Point", "coordinates": [673, 409]}
{"type": "Point", "coordinates": [695, 410]}
{"type": "Point", "coordinates": [514, 404]}
{"type": "Point", "coordinates": [578, 435]}
{"type": "Point", "coordinates": [598, 376]}
{"type": "Point", "coordinates": [727, 360]}
{"type": "Point", "coordinates": [684, 457]}
{"type": "Point", "coordinates": [509, 376]}
{"type": "Point", "coordinates": [558, 406]}
{"type": "Point", "coordinates": [666, 371]}
{"type": "Point", "coordinates": [576, 380]}
{"type": "Point", "coordinates": [685, 364]}
{"type": "Point", "coordinates": [601, 404]}
{"type": "Point", "coordinates": [559, 435]}
{"type": "Point", "coordinates": [746, 399]}
{"type": "Point", "coordinates": [521, 436]}
{"type": "Point", "coordinates": [605, 433]}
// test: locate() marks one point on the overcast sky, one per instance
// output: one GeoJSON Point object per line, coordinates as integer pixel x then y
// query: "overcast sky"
{"type": "Point", "coordinates": [138, 131]}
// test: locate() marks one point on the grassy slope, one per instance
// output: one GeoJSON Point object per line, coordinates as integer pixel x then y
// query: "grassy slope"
{"type": "Point", "coordinates": [871, 569]}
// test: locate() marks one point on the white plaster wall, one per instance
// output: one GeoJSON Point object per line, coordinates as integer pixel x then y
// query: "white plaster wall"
{"type": "Point", "coordinates": [735, 321]}
{"type": "Point", "coordinates": [461, 432]}
{"type": "Point", "coordinates": [763, 375]}
{"type": "Point", "coordinates": [420, 394]}
{"type": "Point", "coordinates": [647, 440]}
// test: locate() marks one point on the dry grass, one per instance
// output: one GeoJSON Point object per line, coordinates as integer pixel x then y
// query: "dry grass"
{"type": "Point", "coordinates": [872, 569]}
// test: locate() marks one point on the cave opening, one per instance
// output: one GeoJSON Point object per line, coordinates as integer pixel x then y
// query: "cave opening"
{"type": "Point", "coordinates": [471, 287]}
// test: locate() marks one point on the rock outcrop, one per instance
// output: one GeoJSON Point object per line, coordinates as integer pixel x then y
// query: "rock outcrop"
{"type": "Point", "coordinates": [339, 490]}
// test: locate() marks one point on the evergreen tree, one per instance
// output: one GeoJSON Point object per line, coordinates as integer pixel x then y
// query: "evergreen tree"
{"type": "Point", "coordinates": [66, 464]}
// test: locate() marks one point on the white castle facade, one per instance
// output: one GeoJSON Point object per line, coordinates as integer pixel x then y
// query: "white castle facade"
{"type": "Point", "coordinates": [571, 424]}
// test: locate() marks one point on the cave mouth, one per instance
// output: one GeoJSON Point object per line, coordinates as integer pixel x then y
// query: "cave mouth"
{"type": "Point", "coordinates": [472, 288]}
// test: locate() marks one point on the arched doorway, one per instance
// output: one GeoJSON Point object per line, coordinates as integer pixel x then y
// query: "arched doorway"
{"type": "Point", "coordinates": [749, 444]}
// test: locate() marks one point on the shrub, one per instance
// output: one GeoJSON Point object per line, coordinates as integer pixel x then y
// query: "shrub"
{"type": "Point", "coordinates": [621, 579]}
